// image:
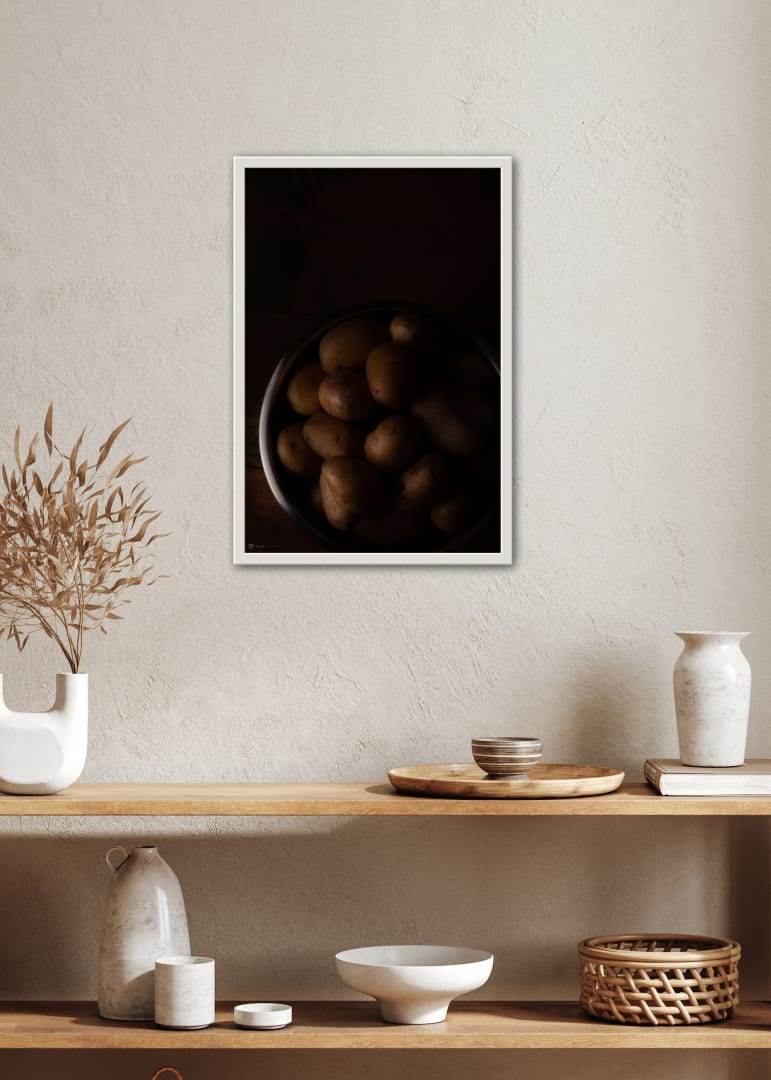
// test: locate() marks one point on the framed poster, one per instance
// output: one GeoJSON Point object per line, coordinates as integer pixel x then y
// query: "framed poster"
{"type": "Point", "coordinates": [372, 360]}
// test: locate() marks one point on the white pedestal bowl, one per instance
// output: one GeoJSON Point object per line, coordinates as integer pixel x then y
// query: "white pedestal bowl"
{"type": "Point", "coordinates": [414, 984]}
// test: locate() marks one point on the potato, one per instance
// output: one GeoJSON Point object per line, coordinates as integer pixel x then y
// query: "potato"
{"type": "Point", "coordinates": [417, 331]}
{"type": "Point", "coordinates": [471, 369]}
{"type": "Point", "coordinates": [393, 373]}
{"type": "Point", "coordinates": [302, 390]}
{"type": "Point", "coordinates": [459, 421]}
{"type": "Point", "coordinates": [353, 482]}
{"type": "Point", "coordinates": [336, 514]}
{"type": "Point", "coordinates": [295, 454]}
{"type": "Point", "coordinates": [394, 523]}
{"type": "Point", "coordinates": [347, 344]}
{"type": "Point", "coordinates": [455, 513]}
{"type": "Point", "coordinates": [346, 396]}
{"type": "Point", "coordinates": [331, 437]}
{"type": "Point", "coordinates": [425, 481]}
{"type": "Point", "coordinates": [392, 445]}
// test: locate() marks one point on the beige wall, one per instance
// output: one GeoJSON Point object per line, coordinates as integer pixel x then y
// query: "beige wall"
{"type": "Point", "coordinates": [639, 135]}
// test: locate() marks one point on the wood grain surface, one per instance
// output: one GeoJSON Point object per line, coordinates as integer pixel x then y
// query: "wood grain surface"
{"type": "Point", "coordinates": [356, 800]}
{"type": "Point", "coordinates": [542, 781]}
{"type": "Point", "coordinates": [347, 1025]}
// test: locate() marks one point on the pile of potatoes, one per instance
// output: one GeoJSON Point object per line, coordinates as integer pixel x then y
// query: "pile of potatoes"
{"type": "Point", "coordinates": [395, 430]}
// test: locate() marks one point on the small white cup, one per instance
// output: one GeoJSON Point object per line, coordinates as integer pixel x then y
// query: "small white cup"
{"type": "Point", "coordinates": [184, 992]}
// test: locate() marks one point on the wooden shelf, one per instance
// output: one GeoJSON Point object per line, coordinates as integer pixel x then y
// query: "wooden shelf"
{"type": "Point", "coordinates": [357, 1026]}
{"type": "Point", "coordinates": [354, 800]}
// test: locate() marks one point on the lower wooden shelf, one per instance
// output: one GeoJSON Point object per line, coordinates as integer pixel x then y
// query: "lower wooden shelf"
{"type": "Point", "coordinates": [345, 1025]}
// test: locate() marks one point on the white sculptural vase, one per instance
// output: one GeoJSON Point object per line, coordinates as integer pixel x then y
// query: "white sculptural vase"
{"type": "Point", "coordinates": [44, 752]}
{"type": "Point", "coordinates": [712, 681]}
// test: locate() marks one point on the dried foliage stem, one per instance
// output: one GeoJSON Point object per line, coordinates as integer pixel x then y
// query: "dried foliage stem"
{"type": "Point", "coordinates": [72, 543]}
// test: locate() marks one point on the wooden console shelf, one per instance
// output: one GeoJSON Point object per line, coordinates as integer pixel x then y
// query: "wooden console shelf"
{"type": "Point", "coordinates": [355, 800]}
{"type": "Point", "coordinates": [530, 1025]}
{"type": "Point", "coordinates": [357, 1025]}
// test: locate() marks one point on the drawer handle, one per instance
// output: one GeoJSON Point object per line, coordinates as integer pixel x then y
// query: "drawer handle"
{"type": "Point", "coordinates": [168, 1069]}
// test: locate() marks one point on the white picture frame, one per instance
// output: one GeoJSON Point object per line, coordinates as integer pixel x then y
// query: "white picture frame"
{"type": "Point", "coordinates": [265, 555]}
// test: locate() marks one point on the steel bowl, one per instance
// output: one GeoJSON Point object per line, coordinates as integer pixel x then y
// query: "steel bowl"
{"type": "Point", "coordinates": [291, 492]}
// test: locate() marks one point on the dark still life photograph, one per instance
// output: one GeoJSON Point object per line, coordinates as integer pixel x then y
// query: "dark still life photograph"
{"type": "Point", "coordinates": [372, 334]}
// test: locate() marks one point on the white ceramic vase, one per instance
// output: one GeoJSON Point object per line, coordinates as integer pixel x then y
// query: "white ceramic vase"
{"type": "Point", "coordinates": [44, 752]}
{"type": "Point", "coordinates": [144, 920]}
{"type": "Point", "coordinates": [712, 681]}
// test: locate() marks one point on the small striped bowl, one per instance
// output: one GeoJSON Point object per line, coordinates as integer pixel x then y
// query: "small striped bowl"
{"type": "Point", "coordinates": [507, 755]}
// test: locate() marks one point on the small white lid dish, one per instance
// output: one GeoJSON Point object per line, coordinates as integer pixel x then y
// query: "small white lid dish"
{"type": "Point", "coordinates": [262, 1014]}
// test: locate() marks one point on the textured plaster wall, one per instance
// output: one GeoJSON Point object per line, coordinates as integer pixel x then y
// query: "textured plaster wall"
{"type": "Point", "coordinates": [639, 136]}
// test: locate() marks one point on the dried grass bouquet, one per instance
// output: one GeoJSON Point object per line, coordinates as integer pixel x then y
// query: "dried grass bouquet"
{"type": "Point", "coordinates": [72, 542]}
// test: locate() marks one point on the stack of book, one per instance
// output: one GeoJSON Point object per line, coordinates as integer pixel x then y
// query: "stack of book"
{"type": "Point", "coordinates": [669, 777]}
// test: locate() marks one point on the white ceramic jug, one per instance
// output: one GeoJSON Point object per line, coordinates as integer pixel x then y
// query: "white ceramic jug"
{"type": "Point", "coordinates": [44, 752]}
{"type": "Point", "coordinates": [144, 919]}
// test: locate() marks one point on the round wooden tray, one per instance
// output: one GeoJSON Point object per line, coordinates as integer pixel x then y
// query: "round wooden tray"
{"type": "Point", "coordinates": [541, 782]}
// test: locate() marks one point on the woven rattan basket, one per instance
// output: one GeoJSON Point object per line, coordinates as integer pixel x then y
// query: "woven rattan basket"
{"type": "Point", "coordinates": [659, 978]}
